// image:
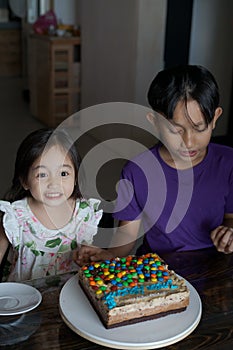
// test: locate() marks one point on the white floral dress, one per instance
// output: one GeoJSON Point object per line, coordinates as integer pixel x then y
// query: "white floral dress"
{"type": "Point", "coordinates": [38, 251]}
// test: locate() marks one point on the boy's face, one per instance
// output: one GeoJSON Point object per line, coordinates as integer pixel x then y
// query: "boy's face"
{"type": "Point", "coordinates": [185, 144]}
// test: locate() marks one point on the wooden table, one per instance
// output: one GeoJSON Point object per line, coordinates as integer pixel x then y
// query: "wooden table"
{"type": "Point", "coordinates": [211, 273]}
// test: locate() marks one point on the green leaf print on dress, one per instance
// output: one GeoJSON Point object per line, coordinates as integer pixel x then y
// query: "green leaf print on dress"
{"type": "Point", "coordinates": [32, 246]}
{"type": "Point", "coordinates": [64, 248]}
{"type": "Point", "coordinates": [73, 244]}
{"type": "Point", "coordinates": [38, 251]}
{"type": "Point", "coordinates": [95, 206]}
{"type": "Point", "coordinates": [83, 205]}
{"type": "Point", "coordinates": [52, 243]}
{"type": "Point", "coordinates": [67, 247]}
{"type": "Point", "coordinates": [87, 217]}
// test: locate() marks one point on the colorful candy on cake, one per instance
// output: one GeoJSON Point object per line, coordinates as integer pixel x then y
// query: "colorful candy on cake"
{"type": "Point", "coordinates": [133, 289]}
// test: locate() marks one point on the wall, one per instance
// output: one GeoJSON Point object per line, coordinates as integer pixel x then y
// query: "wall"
{"type": "Point", "coordinates": [122, 49]}
{"type": "Point", "coordinates": [123, 45]}
{"type": "Point", "coordinates": [109, 31]}
{"type": "Point", "coordinates": [211, 46]}
{"type": "Point", "coordinates": [150, 45]}
{"type": "Point", "coordinates": [68, 11]}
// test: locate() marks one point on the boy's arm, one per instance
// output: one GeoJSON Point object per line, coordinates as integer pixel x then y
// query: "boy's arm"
{"type": "Point", "coordinates": [228, 220]}
{"type": "Point", "coordinates": [121, 245]}
{"type": "Point", "coordinates": [222, 236]}
{"type": "Point", "coordinates": [3, 243]}
{"type": "Point", "coordinates": [125, 238]}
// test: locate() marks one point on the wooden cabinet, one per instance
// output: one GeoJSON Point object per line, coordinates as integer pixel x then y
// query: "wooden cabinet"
{"type": "Point", "coordinates": [54, 78]}
{"type": "Point", "coordinates": [10, 52]}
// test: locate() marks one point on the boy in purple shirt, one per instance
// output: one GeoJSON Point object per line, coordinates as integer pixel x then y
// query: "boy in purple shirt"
{"type": "Point", "coordinates": [181, 190]}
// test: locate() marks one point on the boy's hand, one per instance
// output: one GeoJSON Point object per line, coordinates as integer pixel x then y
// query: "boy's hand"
{"type": "Point", "coordinates": [222, 238]}
{"type": "Point", "coordinates": [89, 253]}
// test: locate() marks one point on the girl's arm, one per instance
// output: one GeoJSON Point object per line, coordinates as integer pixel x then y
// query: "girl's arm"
{"type": "Point", "coordinates": [222, 236]}
{"type": "Point", "coordinates": [3, 243]}
{"type": "Point", "coordinates": [121, 245]}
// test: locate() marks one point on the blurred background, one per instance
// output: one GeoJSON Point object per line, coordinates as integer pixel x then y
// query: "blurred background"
{"type": "Point", "coordinates": [58, 57]}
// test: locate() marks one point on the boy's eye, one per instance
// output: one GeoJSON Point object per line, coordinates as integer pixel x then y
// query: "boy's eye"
{"type": "Point", "coordinates": [201, 128]}
{"type": "Point", "coordinates": [175, 131]}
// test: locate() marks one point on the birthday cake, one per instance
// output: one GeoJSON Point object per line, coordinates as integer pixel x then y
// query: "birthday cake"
{"type": "Point", "coordinates": [133, 289]}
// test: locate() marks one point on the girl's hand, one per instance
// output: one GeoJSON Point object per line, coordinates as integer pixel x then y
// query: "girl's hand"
{"type": "Point", "coordinates": [222, 238]}
{"type": "Point", "coordinates": [87, 254]}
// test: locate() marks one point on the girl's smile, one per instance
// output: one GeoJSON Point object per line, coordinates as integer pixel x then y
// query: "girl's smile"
{"type": "Point", "coordinates": [51, 178]}
{"type": "Point", "coordinates": [53, 195]}
{"type": "Point", "coordinates": [51, 181]}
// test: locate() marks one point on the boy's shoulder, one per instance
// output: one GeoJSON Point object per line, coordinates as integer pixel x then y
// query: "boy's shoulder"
{"type": "Point", "coordinates": [219, 149]}
{"type": "Point", "coordinates": [143, 159]}
{"type": "Point", "coordinates": [221, 156]}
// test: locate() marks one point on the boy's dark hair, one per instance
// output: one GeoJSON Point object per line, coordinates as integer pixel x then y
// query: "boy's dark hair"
{"type": "Point", "coordinates": [32, 148]}
{"type": "Point", "coordinates": [184, 83]}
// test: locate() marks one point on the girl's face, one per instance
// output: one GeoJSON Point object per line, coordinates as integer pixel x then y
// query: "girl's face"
{"type": "Point", "coordinates": [184, 144]}
{"type": "Point", "coordinates": [51, 178]}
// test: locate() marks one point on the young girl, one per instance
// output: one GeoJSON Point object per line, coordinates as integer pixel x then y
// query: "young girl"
{"type": "Point", "coordinates": [44, 215]}
{"type": "Point", "coordinates": [181, 190]}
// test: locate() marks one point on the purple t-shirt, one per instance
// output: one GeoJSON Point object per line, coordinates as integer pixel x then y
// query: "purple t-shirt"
{"type": "Point", "coordinates": [178, 209]}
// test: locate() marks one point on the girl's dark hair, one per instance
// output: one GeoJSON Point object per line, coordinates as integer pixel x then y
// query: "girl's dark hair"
{"type": "Point", "coordinates": [183, 83]}
{"type": "Point", "coordinates": [31, 149]}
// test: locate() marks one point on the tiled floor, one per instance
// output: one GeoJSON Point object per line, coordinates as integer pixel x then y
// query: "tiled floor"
{"type": "Point", "coordinates": [16, 123]}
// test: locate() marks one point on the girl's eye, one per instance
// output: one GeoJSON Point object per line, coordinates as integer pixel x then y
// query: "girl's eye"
{"type": "Point", "coordinates": [41, 175]}
{"type": "Point", "coordinates": [64, 173]}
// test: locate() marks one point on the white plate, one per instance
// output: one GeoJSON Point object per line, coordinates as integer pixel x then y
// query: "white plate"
{"type": "Point", "coordinates": [78, 314]}
{"type": "Point", "coordinates": [17, 298]}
